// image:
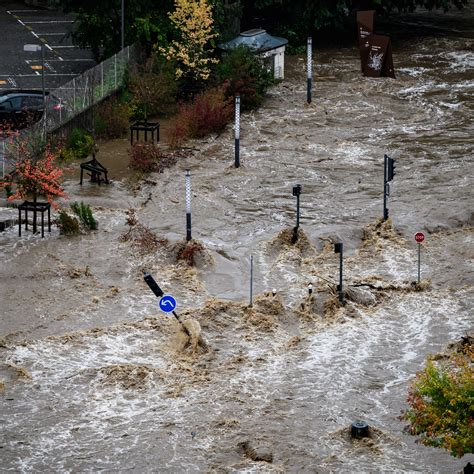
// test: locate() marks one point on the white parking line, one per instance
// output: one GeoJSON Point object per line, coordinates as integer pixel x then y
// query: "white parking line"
{"type": "Point", "coordinates": [50, 22]}
{"type": "Point", "coordinates": [22, 11]}
{"type": "Point", "coordinates": [55, 34]}
{"type": "Point", "coordinates": [33, 75]}
{"type": "Point", "coordinates": [63, 46]}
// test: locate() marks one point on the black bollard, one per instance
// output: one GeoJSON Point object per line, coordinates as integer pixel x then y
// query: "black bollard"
{"type": "Point", "coordinates": [360, 429]}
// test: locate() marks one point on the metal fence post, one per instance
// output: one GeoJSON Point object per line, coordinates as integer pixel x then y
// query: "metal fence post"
{"type": "Point", "coordinates": [74, 95]}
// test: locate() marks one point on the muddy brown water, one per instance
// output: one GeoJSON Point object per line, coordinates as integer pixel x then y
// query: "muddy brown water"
{"type": "Point", "coordinates": [96, 378]}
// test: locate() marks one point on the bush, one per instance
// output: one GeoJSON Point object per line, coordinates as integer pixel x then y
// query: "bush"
{"type": "Point", "coordinates": [144, 157]}
{"type": "Point", "coordinates": [153, 89]}
{"type": "Point", "coordinates": [67, 224]}
{"type": "Point", "coordinates": [140, 236]}
{"type": "Point", "coordinates": [84, 212]}
{"type": "Point", "coordinates": [147, 158]}
{"type": "Point", "coordinates": [80, 143]}
{"type": "Point", "coordinates": [441, 400]}
{"type": "Point", "coordinates": [242, 72]}
{"type": "Point", "coordinates": [208, 113]}
{"type": "Point", "coordinates": [112, 119]}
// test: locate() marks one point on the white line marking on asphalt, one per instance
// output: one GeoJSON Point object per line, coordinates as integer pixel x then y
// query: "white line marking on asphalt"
{"type": "Point", "coordinates": [21, 22]}
{"type": "Point", "coordinates": [63, 46]}
{"type": "Point", "coordinates": [90, 60]}
{"type": "Point", "coordinates": [37, 73]}
{"type": "Point", "coordinates": [12, 81]}
{"type": "Point", "coordinates": [55, 34]}
{"type": "Point", "coordinates": [22, 11]}
{"type": "Point", "coordinates": [50, 22]}
{"type": "Point", "coordinates": [33, 75]}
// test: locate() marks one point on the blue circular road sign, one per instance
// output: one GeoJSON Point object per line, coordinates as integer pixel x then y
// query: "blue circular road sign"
{"type": "Point", "coordinates": [167, 303]}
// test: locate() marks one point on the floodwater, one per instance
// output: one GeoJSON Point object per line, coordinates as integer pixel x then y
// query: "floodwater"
{"type": "Point", "coordinates": [96, 378]}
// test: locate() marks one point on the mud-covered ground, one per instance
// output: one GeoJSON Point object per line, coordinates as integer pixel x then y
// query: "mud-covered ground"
{"type": "Point", "coordinates": [95, 377]}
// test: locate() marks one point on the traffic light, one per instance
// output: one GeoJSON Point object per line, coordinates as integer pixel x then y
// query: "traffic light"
{"type": "Point", "coordinates": [391, 169]}
{"type": "Point", "coordinates": [297, 190]}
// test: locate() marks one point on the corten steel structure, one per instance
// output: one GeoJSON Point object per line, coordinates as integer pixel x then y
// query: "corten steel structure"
{"type": "Point", "coordinates": [375, 50]}
{"type": "Point", "coordinates": [35, 207]}
{"type": "Point", "coordinates": [96, 171]}
{"type": "Point", "coordinates": [145, 127]}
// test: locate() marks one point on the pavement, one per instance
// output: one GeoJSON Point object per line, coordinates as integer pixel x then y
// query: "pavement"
{"type": "Point", "coordinates": [20, 25]}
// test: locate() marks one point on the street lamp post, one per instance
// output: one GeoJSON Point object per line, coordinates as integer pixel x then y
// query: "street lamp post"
{"type": "Point", "coordinates": [35, 48]}
{"type": "Point", "coordinates": [122, 42]}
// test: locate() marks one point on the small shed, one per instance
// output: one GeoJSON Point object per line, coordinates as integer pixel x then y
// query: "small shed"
{"type": "Point", "coordinates": [270, 48]}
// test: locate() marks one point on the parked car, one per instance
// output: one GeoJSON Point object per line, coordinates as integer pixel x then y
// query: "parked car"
{"type": "Point", "coordinates": [21, 108]}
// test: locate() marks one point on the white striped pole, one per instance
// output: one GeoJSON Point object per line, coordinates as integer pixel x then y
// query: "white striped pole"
{"type": "Point", "coordinates": [237, 131]}
{"type": "Point", "coordinates": [309, 68]}
{"type": "Point", "coordinates": [188, 205]}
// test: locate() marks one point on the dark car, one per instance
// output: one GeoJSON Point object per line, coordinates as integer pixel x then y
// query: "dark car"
{"type": "Point", "coordinates": [21, 108]}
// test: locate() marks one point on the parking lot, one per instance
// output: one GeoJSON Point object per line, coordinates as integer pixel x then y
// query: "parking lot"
{"type": "Point", "coordinates": [21, 25]}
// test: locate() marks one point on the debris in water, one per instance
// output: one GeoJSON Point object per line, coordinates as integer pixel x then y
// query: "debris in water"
{"type": "Point", "coordinates": [373, 235]}
{"type": "Point", "coordinates": [128, 376]}
{"type": "Point", "coordinates": [192, 252]}
{"type": "Point", "coordinates": [255, 454]}
{"type": "Point", "coordinates": [282, 244]}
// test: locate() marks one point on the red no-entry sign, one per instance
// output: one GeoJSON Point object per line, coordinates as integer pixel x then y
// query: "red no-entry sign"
{"type": "Point", "coordinates": [419, 237]}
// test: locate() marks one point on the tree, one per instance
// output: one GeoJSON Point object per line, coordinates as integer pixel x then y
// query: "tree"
{"type": "Point", "coordinates": [295, 19]}
{"type": "Point", "coordinates": [441, 400]}
{"type": "Point", "coordinates": [38, 177]}
{"type": "Point", "coordinates": [98, 24]}
{"type": "Point", "coordinates": [190, 51]}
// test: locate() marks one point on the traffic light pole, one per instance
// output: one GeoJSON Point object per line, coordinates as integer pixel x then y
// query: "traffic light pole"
{"type": "Point", "coordinates": [388, 174]}
{"type": "Point", "coordinates": [385, 210]}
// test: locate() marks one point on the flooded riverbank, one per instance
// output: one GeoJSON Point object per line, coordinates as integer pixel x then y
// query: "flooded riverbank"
{"type": "Point", "coordinates": [96, 378]}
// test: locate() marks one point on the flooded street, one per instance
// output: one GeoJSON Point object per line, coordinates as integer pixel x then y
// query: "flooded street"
{"type": "Point", "coordinates": [95, 377]}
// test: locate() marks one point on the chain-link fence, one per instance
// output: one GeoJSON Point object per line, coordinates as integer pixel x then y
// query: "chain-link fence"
{"type": "Point", "coordinates": [69, 101]}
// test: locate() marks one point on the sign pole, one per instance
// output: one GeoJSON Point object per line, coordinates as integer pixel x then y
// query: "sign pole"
{"type": "Point", "coordinates": [419, 262]}
{"type": "Point", "coordinates": [419, 238]}
{"type": "Point", "coordinates": [251, 281]}
{"type": "Point", "coordinates": [153, 285]}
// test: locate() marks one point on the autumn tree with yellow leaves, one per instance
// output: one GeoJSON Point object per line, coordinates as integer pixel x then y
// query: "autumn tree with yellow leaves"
{"type": "Point", "coordinates": [191, 50]}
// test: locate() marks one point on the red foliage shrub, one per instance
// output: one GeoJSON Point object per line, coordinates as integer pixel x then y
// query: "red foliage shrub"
{"type": "Point", "coordinates": [208, 113]}
{"type": "Point", "coordinates": [147, 158]}
{"type": "Point", "coordinates": [144, 157]}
